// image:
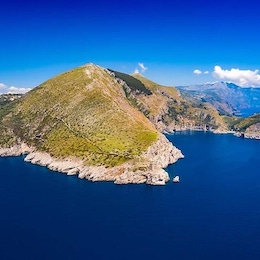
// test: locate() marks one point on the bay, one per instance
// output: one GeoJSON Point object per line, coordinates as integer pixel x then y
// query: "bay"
{"type": "Point", "coordinates": [212, 213]}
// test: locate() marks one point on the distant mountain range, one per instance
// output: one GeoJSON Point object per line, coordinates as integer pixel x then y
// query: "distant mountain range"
{"type": "Point", "coordinates": [227, 98]}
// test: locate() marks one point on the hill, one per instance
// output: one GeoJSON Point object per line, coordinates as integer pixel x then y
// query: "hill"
{"type": "Point", "coordinates": [165, 107]}
{"type": "Point", "coordinates": [83, 117]}
{"type": "Point", "coordinates": [246, 127]}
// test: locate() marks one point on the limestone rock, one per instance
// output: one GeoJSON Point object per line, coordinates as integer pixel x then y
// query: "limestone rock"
{"type": "Point", "coordinates": [16, 150]}
{"type": "Point", "coordinates": [158, 177]}
{"type": "Point", "coordinates": [253, 131]}
{"type": "Point", "coordinates": [176, 179]}
{"type": "Point", "coordinates": [162, 153]}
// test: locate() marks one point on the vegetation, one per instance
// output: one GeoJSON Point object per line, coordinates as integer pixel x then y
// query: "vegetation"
{"type": "Point", "coordinates": [241, 124]}
{"type": "Point", "coordinates": [167, 106]}
{"type": "Point", "coordinates": [79, 113]}
{"type": "Point", "coordinates": [133, 83]}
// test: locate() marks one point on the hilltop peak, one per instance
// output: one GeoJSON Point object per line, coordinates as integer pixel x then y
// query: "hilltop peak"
{"type": "Point", "coordinates": [137, 73]}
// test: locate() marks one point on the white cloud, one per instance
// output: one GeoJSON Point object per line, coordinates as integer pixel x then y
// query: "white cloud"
{"type": "Point", "coordinates": [197, 72]}
{"type": "Point", "coordinates": [136, 71]}
{"type": "Point", "coordinates": [243, 78]}
{"type": "Point", "coordinates": [143, 68]}
{"type": "Point", "coordinates": [12, 90]}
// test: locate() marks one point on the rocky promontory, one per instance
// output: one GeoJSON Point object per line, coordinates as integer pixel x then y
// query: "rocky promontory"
{"type": "Point", "coordinates": [146, 169]}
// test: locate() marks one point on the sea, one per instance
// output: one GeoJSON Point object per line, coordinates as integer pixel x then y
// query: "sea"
{"type": "Point", "coordinates": [246, 112]}
{"type": "Point", "coordinates": [212, 213]}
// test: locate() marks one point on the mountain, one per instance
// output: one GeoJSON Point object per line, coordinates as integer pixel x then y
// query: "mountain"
{"type": "Point", "coordinates": [165, 107]}
{"type": "Point", "coordinates": [80, 111]}
{"type": "Point", "coordinates": [227, 98]}
{"type": "Point", "coordinates": [83, 118]}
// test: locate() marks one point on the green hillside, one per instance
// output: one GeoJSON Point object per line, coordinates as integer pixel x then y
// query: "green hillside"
{"type": "Point", "coordinates": [81, 113]}
{"type": "Point", "coordinates": [242, 124]}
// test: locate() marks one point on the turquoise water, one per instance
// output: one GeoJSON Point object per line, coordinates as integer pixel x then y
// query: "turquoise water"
{"type": "Point", "coordinates": [213, 213]}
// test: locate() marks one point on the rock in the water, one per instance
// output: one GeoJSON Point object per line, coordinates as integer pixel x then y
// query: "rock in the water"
{"type": "Point", "coordinates": [176, 179]}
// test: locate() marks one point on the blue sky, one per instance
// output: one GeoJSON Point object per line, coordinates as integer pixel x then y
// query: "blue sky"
{"type": "Point", "coordinates": [165, 40]}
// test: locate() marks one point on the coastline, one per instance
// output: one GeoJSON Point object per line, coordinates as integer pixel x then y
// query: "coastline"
{"type": "Point", "coordinates": [151, 171]}
{"type": "Point", "coordinates": [156, 158]}
{"type": "Point", "coordinates": [247, 135]}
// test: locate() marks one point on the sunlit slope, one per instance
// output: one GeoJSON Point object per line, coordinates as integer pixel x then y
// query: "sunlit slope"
{"type": "Point", "coordinates": [82, 113]}
{"type": "Point", "coordinates": [167, 109]}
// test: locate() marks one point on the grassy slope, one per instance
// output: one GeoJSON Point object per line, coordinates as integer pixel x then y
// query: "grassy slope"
{"type": "Point", "coordinates": [80, 113]}
{"type": "Point", "coordinates": [177, 109]}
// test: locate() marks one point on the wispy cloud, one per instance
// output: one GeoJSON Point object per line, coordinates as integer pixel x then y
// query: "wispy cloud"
{"type": "Point", "coordinates": [243, 78]}
{"type": "Point", "coordinates": [4, 89]}
{"type": "Point", "coordinates": [197, 72]}
{"type": "Point", "coordinates": [2, 85]}
{"type": "Point", "coordinates": [206, 72]}
{"type": "Point", "coordinates": [142, 67]}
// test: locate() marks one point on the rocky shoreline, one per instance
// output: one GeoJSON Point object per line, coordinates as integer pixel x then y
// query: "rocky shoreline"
{"type": "Point", "coordinates": [249, 134]}
{"type": "Point", "coordinates": [150, 171]}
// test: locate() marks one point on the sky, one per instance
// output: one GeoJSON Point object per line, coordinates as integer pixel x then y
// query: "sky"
{"type": "Point", "coordinates": [170, 42]}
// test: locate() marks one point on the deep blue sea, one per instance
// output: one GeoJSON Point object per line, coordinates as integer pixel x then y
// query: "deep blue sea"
{"type": "Point", "coordinates": [213, 213]}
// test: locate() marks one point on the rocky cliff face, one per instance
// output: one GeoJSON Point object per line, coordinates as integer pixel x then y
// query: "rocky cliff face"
{"type": "Point", "coordinates": [253, 131]}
